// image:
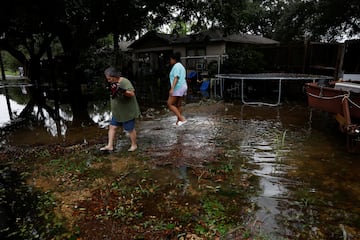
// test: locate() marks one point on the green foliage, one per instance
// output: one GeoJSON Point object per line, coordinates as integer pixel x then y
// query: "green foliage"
{"type": "Point", "coordinates": [228, 167]}
{"type": "Point", "coordinates": [181, 28]}
{"type": "Point", "coordinates": [245, 60]}
{"type": "Point", "coordinates": [317, 20]}
{"type": "Point", "coordinates": [129, 205]}
{"type": "Point", "coordinates": [279, 146]}
{"type": "Point", "coordinates": [27, 212]}
{"type": "Point", "coordinates": [125, 212]}
{"type": "Point", "coordinates": [86, 32]}
{"type": "Point", "coordinates": [16, 95]}
{"type": "Point", "coordinates": [75, 30]}
{"type": "Point", "coordinates": [214, 221]}
{"type": "Point", "coordinates": [64, 165]}
{"type": "Point", "coordinates": [77, 164]}
{"type": "Point", "coordinates": [42, 154]}
{"type": "Point", "coordinates": [10, 63]}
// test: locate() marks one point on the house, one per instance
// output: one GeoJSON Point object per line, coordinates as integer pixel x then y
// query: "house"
{"type": "Point", "coordinates": [150, 53]}
{"type": "Point", "coordinates": [203, 54]}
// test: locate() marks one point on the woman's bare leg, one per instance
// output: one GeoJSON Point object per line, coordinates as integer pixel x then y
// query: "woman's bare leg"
{"type": "Point", "coordinates": [111, 138]}
{"type": "Point", "coordinates": [173, 106]}
{"type": "Point", "coordinates": [179, 105]}
{"type": "Point", "coordinates": [132, 135]}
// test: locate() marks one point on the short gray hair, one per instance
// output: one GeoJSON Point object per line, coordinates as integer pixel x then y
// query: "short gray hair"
{"type": "Point", "coordinates": [112, 72]}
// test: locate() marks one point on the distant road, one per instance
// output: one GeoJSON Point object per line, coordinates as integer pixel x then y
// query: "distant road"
{"type": "Point", "coordinates": [13, 77]}
{"type": "Point", "coordinates": [14, 81]}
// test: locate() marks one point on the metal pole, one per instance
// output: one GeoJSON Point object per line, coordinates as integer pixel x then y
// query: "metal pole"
{"type": "Point", "coordinates": [5, 89]}
{"type": "Point", "coordinates": [242, 91]}
{"type": "Point", "coordinates": [279, 96]}
{"type": "Point", "coordinates": [2, 68]}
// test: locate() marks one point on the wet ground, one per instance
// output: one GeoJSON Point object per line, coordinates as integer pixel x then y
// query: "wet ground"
{"type": "Point", "coordinates": [233, 171]}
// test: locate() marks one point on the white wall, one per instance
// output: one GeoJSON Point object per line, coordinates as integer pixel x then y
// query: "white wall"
{"type": "Point", "coordinates": [216, 49]}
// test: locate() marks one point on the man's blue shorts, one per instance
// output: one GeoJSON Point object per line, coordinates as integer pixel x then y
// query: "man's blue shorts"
{"type": "Point", "coordinates": [128, 125]}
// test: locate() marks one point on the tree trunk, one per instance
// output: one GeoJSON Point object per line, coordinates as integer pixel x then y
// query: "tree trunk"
{"type": "Point", "coordinates": [78, 101]}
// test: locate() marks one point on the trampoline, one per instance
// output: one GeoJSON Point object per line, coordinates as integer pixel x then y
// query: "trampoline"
{"type": "Point", "coordinates": [279, 77]}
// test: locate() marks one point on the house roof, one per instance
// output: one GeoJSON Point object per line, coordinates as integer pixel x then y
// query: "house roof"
{"type": "Point", "coordinates": [250, 39]}
{"type": "Point", "coordinates": [218, 36]}
{"type": "Point", "coordinates": [155, 39]}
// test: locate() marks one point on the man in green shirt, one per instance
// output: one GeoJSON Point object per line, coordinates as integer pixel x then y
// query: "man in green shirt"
{"type": "Point", "coordinates": [124, 108]}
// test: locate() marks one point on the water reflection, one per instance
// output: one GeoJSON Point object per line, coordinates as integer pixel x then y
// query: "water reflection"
{"type": "Point", "coordinates": [52, 122]}
{"type": "Point", "coordinates": [259, 140]}
{"type": "Point", "coordinates": [55, 127]}
{"type": "Point", "coordinates": [195, 141]}
{"type": "Point", "coordinates": [254, 139]}
{"type": "Point", "coordinates": [307, 178]}
{"type": "Point", "coordinates": [16, 108]}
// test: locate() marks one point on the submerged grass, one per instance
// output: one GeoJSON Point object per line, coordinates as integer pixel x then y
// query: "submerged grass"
{"type": "Point", "coordinates": [27, 212]}
{"type": "Point", "coordinates": [130, 192]}
{"type": "Point", "coordinates": [160, 192]}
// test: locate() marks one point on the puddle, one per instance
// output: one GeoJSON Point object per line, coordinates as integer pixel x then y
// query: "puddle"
{"type": "Point", "coordinates": [274, 144]}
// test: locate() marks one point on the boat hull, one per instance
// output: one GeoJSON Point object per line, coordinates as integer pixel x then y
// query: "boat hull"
{"type": "Point", "coordinates": [331, 100]}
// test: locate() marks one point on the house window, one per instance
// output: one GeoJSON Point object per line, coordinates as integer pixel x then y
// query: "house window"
{"type": "Point", "coordinates": [195, 52]}
{"type": "Point", "coordinates": [144, 63]}
{"type": "Point", "coordinates": [197, 64]}
{"type": "Point", "coordinates": [153, 63]}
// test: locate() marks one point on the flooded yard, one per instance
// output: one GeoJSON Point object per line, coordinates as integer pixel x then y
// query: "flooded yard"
{"type": "Point", "coordinates": [233, 171]}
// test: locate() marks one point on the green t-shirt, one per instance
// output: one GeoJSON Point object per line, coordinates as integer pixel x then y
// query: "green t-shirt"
{"type": "Point", "coordinates": [124, 108]}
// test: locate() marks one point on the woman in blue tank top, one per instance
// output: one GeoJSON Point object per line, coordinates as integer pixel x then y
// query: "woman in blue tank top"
{"type": "Point", "coordinates": [178, 88]}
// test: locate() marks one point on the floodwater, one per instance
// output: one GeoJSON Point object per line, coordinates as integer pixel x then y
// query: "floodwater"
{"type": "Point", "coordinates": [309, 184]}
{"type": "Point", "coordinates": [308, 181]}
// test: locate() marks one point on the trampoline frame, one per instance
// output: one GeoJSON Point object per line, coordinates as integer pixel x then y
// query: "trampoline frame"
{"type": "Point", "coordinates": [266, 76]}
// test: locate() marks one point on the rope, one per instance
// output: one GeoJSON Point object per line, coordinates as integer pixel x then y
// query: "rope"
{"type": "Point", "coordinates": [353, 103]}
{"type": "Point", "coordinates": [346, 97]}
{"type": "Point", "coordinates": [328, 98]}
{"type": "Point", "coordinates": [343, 96]}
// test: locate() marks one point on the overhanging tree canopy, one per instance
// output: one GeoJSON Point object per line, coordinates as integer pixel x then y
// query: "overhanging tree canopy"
{"type": "Point", "coordinates": [28, 27]}
{"type": "Point", "coordinates": [325, 20]}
